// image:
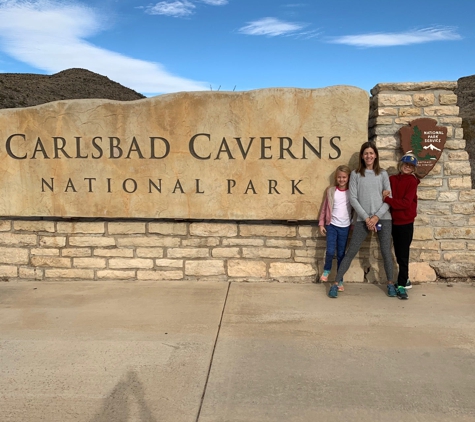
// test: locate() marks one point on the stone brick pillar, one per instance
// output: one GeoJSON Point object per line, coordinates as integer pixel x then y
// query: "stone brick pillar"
{"type": "Point", "coordinates": [444, 241]}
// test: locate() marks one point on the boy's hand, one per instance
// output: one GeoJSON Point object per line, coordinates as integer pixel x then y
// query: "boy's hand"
{"type": "Point", "coordinates": [323, 230]}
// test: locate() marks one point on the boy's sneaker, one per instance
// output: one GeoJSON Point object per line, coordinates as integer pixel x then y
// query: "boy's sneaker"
{"type": "Point", "coordinates": [391, 290]}
{"type": "Point", "coordinates": [408, 284]}
{"type": "Point", "coordinates": [341, 288]}
{"type": "Point", "coordinates": [333, 293]}
{"type": "Point", "coordinates": [324, 277]}
{"type": "Point", "coordinates": [401, 293]}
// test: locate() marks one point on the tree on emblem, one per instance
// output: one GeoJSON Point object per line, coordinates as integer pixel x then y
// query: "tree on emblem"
{"type": "Point", "coordinates": [416, 142]}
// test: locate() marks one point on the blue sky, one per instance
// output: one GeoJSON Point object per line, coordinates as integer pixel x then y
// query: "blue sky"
{"type": "Point", "coordinates": [186, 45]}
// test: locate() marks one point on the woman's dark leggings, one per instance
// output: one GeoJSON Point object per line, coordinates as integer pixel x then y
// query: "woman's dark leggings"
{"type": "Point", "coordinates": [360, 233]}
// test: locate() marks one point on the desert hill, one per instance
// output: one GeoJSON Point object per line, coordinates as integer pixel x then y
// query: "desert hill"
{"type": "Point", "coordinates": [28, 89]}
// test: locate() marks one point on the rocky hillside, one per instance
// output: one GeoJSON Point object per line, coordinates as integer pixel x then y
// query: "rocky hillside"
{"type": "Point", "coordinates": [28, 89]}
{"type": "Point", "coordinates": [466, 101]}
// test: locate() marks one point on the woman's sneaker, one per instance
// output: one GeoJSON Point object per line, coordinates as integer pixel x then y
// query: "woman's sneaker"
{"type": "Point", "coordinates": [333, 293]}
{"type": "Point", "coordinates": [324, 277]}
{"type": "Point", "coordinates": [341, 288]}
{"type": "Point", "coordinates": [391, 290]}
{"type": "Point", "coordinates": [401, 293]}
{"type": "Point", "coordinates": [408, 284]}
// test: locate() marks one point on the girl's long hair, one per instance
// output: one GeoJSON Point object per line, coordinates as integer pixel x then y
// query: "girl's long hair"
{"type": "Point", "coordinates": [362, 165]}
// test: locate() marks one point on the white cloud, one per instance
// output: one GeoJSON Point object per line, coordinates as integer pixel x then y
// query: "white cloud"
{"type": "Point", "coordinates": [179, 8]}
{"type": "Point", "coordinates": [215, 2]}
{"type": "Point", "coordinates": [306, 35]}
{"type": "Point", "coordinates": [50, 35]}
{"type": "Point", "coordinates": [176, 9]}
{"type": "Point", "coordinates": [271, 27]}
{"type": "Point", "coordinates": [389, 39]}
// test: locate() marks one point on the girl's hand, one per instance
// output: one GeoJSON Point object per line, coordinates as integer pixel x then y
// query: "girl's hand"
{"type": "Point", "coordinates": [323, 230]}
{"type": "Point", "coordinates": [386, 193]}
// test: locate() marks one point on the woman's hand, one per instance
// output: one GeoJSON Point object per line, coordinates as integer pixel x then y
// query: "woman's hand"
{"type": "Point", "coordinates": [371, 223]}
{"type": "Point", "coordinates": [323, 230]}
{"type": "Point", "coordinates": [386, 193]}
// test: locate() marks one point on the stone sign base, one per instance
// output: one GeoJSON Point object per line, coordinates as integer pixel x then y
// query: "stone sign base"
{"type": "Point", "coordinates": [169, 250]}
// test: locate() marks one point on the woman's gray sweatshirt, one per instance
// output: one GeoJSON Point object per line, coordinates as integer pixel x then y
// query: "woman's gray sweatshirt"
{"type": "Point", "coordinates": [366, 194]}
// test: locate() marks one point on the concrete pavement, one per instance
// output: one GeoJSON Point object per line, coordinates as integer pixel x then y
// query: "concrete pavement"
{"type": "Point", "coordinates": [211, 351]}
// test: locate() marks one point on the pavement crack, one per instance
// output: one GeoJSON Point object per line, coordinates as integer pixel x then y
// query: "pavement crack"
{"type": "Point", "coordinates": [212, 354]}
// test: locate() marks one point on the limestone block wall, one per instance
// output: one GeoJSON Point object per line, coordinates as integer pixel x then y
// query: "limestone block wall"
{"type": "Point", "coordinates": [47, 249]}
{"type": "Point", "coordinates": [151, 250]}
{"type": "Point", "coordinates": [444, 240]}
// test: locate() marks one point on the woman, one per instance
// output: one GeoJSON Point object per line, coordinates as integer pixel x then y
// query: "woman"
{"type": "Point", "coordinates": [367, 183]}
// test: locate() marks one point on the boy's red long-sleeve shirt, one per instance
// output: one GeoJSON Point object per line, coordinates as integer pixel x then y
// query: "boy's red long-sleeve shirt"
{"type": "Point", "coordinates": [404, 198]}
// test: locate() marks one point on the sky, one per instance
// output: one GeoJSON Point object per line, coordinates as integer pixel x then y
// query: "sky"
{"type": "Point", "coordinates": [239, 45]}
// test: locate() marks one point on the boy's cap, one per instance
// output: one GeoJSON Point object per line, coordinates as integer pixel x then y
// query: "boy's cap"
{"type": "Point", "coordinates": [409, 159]}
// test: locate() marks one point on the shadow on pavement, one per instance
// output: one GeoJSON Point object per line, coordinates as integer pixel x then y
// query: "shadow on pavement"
{"type": "Point", "coordinates": [118, 405]}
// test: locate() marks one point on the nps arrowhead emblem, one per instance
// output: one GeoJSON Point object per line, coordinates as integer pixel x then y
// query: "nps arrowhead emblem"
{"type": "Point", "coordinates": [426, 141]}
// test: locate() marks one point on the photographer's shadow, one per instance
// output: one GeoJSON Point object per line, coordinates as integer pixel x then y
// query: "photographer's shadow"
{"type": "Point", "coordinates": [127, 396]}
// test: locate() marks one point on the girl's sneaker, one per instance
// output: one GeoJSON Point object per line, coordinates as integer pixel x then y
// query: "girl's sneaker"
{"type": "Point", "coordinates": [324, 277]}
{"type": "Point", "coordinates": [341, 288]}
{"type": "Point", "coordinates": [408, 284]}
{"type": "Point", "coordinates": [333, 293]}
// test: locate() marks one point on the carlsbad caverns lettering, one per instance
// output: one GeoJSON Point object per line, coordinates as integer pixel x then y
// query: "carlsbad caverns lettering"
{"type": "Point", "coordinates": [200, 147]}
{"type": "Point", "coordinates": [265, 154]}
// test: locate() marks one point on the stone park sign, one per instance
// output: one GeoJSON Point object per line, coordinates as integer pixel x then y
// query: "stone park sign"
{"type": "Point", "coordinates": [264, 154]}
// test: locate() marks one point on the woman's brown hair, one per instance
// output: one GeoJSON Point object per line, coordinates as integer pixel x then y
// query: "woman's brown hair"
{"type": "Point", "coordinates": [362, 166]}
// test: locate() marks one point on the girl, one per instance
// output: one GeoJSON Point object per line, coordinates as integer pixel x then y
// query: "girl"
{"type": "Point", "coordinates": [403, 203]}
{"type": "Point", "coordinates": [367, 183]}
{"type": "Point", "coordinates": [335, 220]}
